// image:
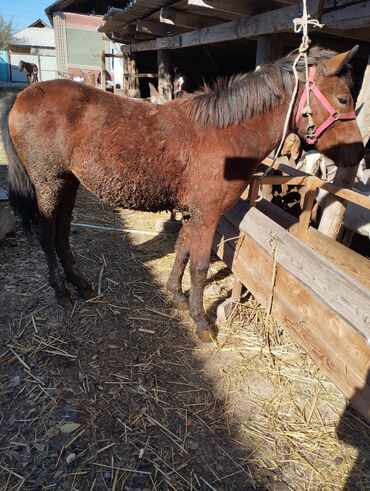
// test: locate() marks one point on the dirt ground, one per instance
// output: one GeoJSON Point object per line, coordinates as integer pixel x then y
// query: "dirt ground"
{"type": "Point", "coordinates": [118, 394]}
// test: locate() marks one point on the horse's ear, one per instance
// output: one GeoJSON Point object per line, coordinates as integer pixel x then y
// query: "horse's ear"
{"type": "Point", "coordinates": [334, 65]}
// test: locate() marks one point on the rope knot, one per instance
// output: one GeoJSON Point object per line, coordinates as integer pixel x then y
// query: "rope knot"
{"type": "Point", "coordinates": [300, 22]}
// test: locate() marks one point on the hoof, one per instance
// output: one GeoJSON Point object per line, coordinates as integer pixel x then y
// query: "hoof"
{"type": "Point", "coordinates": [206, 335]}
{"type": "Point", "coordinates": [87, 293]}
{"type": "Point", "coordinates": [180, 301]}
{"type": "Point", "coordinates": [64, 300]}
{"type": "Point", "coordinates": [204, 332]}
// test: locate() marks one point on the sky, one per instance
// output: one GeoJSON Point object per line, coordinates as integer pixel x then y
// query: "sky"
{"type": "Point", "coordinates": [24, 12]}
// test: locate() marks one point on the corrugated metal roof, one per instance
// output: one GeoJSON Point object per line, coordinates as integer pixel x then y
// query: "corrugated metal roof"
{"type": "Point", "coordinates": [136, 9]}
{"type": "Point", "coordinates": [35, 36]}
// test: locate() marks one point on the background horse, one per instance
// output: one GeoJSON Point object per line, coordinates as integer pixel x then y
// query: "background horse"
{"type": "Point", "coordinates": [31, 70]}
{"type": "Point", "coordinates": [195, 154]}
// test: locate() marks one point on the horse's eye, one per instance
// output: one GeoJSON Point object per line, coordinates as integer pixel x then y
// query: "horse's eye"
{"type": "Point", "coordinates": [343, 99]}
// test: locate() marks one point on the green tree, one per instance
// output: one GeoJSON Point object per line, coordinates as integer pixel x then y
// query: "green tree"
{"type": "Point", "coordinates": [6, 32]}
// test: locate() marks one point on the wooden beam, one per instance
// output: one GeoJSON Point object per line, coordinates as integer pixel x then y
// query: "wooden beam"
{"type": "Point", "coordinates": [280, 20]}
{"type": "Point", "coordinates": [352, 17]}
{"type": "Point", "coordinates": [141, 75]}
{"type": "Point", "coordinates": [315, 182]}
{"type": "Point", "coordinates": [182, 18]}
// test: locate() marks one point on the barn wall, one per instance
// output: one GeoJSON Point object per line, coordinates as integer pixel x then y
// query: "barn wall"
{"type": "Point", "coordinates": [78, 44]}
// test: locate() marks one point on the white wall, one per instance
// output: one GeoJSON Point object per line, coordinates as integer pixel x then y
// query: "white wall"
{"type": "Point", "coordinates": [47, 66]}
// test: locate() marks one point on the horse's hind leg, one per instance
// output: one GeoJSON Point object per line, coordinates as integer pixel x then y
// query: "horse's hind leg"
{"type": "Point", "coordinates": [62, 245]}
{"type": "Point", "coordinates": [181, 259]}
{"type": "Point", "coordinates": [48, 201]}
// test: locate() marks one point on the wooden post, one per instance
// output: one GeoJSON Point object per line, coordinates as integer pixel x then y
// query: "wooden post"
{"type": "Point", "coordinates": [253, 191]}
{"type": "Point", "coordinates": [332, 217]}
{"type": "Point", "coordinates": [125, 80]}
{"type": "Point", "coordinates": [102, 79]}
{"type": "Point", "coordinates": [363, 105]}
{"type": "Point", "coordinates": [164, 75]}
{"type": "Point", "coordinates": [130, 82]}
{"type": "Point", "coordinates": [90, 79]}
{"type": "Point", "coordinates": [304, 219]}
{"type": "Point", "coordinates": [134, 90]}
{"type": "Point", "coordinates": [269, 49]}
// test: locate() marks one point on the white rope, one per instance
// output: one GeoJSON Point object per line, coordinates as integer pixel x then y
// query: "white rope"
{"type": "Point", "coordinates": [300, 25]}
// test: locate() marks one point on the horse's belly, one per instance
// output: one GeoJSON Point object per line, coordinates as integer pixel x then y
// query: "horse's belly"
{"type": "Point", "coordinates": [145, 192]}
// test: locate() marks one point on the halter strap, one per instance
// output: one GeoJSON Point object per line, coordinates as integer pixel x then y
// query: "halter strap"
{"type": "Point", "coordinates": [311, 138]}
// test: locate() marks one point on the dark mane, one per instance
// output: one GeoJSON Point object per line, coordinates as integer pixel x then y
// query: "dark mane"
{"type": "Point", "coordinates": [243, 96]}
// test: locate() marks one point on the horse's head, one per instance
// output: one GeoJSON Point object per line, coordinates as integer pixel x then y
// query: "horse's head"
{"type": "Point", "coordinates": [335, 132]}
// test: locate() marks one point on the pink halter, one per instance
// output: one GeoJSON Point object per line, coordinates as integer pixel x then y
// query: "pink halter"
{"type": "Point", "coordinates": [311, 138]}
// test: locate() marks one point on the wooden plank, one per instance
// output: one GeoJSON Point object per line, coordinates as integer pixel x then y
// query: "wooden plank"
{"type": "Point", "coordinates": [348, 299]}
{"type": "Point", "coordinates": [353, 264]}
{"type": "Point", "coordinates": [351, 17]}
{"type": "Point", "coordinates": [279, 20]}
{"type": "Point", "coordinates": [338, 350]}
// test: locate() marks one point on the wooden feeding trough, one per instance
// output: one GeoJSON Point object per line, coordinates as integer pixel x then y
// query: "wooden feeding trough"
{"type": "Point", "coordinates": [314, 287]}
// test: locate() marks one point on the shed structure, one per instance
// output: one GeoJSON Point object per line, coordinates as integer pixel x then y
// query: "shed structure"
{"type": "Point", "coordinates": [34, 44]}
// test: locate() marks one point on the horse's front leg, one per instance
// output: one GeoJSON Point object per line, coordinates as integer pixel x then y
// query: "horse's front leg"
{"type": "Point", "coordinates": [200, 253]}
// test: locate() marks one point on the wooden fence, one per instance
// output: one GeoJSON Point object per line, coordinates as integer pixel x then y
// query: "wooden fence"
{"type": "Point", "coordinates": [317, 289]}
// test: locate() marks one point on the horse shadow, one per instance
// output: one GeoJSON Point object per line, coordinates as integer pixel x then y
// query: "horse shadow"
{"type": "Point", "coordinates": [355, 431]}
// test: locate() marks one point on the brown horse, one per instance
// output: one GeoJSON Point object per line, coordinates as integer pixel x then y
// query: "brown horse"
{"type": "Point", "coordinates": [31, 70]}
{"type": "Point", "coordinates": [194, 154]}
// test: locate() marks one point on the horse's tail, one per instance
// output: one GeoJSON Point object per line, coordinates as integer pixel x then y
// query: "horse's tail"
{"type": "Point", "coordinates": [22, 195]}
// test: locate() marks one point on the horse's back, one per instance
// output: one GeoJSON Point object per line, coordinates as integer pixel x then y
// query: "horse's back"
{"type": "Point", "coordinates": [127, 152]}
